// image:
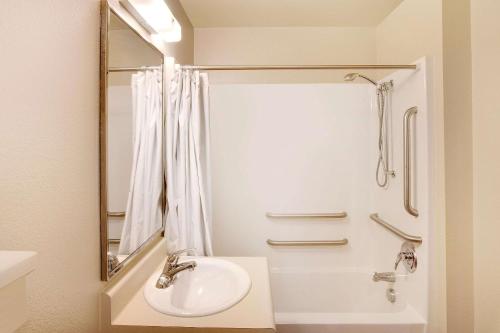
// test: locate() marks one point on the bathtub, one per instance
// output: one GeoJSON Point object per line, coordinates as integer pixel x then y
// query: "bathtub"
{"type": "Point", "coordinates": [346, 301]}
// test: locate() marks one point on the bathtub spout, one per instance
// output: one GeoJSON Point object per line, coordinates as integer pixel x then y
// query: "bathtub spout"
{"type": "Point", "coordinates": [384, 276]}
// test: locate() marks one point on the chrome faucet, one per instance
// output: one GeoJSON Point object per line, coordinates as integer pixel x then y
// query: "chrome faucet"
{"type": "Point", "coordinates": [384, 276]}
{"type": "Point", "coordinates": [113, 261]}
{"type": "Point", "coordinates": [407, 256]}
{"type": "Point", "coordinates": [172, 268]}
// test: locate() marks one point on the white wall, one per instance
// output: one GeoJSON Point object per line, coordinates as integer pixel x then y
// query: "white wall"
{"type": "Point", "coordinates": [49, 156]}
{"type": "Point", "coordinates": [290, 148]}
{"type": "Point", "coordinates": [120, 153]}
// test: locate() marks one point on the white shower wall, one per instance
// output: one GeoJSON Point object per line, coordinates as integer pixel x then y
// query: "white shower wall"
{"type": "Point", "coordinates": [410, 89]}
{"type": "Point", "coordinates": [309, 148]}
{"type": "Point", "coordinates": [119, 153]}
{"type": "Point", "coordinates": [290, 149]}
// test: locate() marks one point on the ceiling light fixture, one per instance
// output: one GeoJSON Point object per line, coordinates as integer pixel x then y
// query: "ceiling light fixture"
{"type": "Point", "coordinates": [156, 17]}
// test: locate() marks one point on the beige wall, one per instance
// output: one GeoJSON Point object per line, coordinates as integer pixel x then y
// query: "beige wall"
{"type": "Point", "coordinates": [470, 50]}
{"type": "Point", "coordinates": [287, 45]}
{"type": "Point", "coordinates": [485, 32]}
{"type": "Point", "coordinates": [49, 192]}
{"type": "Point", "coordinates": [48, 131]}
{"type": "Point", "coordinates": [411, 31]}
{"type": "Point", "coordinates": [458, 142]}
{"type": "Point", "coordinates": [48, 156]}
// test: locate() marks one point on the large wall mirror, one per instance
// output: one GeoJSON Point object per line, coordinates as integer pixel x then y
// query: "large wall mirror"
{"type": "Point", "coordinates": [131, 134]}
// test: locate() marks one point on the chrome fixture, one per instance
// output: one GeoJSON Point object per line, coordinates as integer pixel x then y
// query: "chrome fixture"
{"type": "Point", "coordinates": [384, 276]}
{"type": "Point", "coordinates": [113, 261]}
{"type": "Point", "coordinates": [133, 69]}
{"type": "Point", "coordinates": [354, 76]}
{"type": "Point", "coordinates": [383, 93]}
{"type": "Point", "coordinates": [339, 215]}
{"type": "Point", "coordinates": [407, 161]}
{"type": "Point", "coordinates": [172, 268]}
{"type": "Point", "coordinates": [390, 277]}
{"type": "Point", "coordinates": [116, 214]}
{"type": "Point", "coordinates": [396, 231]}
{"type": "Point", "coordinates": [292, 67]}
{"type": "Point", "coordinates": [390, 293]}
{"type": "Point", "coordinates": [407, 256]}
{"type": "Point", "coordinates": [308, 243]}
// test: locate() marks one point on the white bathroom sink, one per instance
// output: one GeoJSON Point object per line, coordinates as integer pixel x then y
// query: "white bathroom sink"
{"type": "Point", "coordinates": [213, 286]}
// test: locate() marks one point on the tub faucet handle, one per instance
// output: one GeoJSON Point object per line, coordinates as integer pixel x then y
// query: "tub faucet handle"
{"type": "Point", "coordinates": [407, 256]}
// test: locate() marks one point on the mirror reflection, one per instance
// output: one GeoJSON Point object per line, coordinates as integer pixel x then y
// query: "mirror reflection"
{"type": "Point", "coordinates": [134, 161]}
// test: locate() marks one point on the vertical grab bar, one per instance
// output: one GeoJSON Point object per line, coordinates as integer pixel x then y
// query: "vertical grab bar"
{"type": "Point", "coordinates": [407, 161]}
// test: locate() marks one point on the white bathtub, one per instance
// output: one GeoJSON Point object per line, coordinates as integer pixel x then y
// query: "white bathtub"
{"type": "Point", "coordinates": [346, 301]}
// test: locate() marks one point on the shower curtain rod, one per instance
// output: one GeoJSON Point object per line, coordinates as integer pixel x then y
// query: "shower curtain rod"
{"type": "Point", "coordinates": [293, 67]}
{"type": "Point", "coordinates": [132, 69]}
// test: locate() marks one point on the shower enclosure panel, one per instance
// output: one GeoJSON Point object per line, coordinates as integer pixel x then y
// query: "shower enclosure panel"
{"type": "Point", "coordinates": [312, 148]}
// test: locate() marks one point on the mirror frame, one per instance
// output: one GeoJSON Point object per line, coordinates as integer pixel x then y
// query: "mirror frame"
{"type": "Point", "coordinates": [106, 12]}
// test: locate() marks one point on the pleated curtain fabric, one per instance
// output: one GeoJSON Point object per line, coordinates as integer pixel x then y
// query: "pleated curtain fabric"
{"type": "Point", "coordinates": [144, 213]}
{"type": "Point", "coordinates": [187, 142]}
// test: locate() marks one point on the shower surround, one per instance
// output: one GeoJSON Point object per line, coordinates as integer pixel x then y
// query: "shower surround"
{"type": "Point", "coordinates": [312, 148]}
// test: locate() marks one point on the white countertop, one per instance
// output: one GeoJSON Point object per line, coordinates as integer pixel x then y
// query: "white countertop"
{"type": "Point", "coordinates": [255, 311]}
{"type": "Point", "coordinates": [15, 264]}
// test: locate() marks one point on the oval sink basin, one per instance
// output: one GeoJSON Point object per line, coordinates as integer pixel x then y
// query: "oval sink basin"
{"type": "Point", "coordinates": [213, 286]}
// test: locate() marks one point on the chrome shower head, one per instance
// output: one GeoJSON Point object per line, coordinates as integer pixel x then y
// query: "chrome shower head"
{"type": "Point", "coordinates": [354, 76]}
{"type": "Point", "coordinates": [351, 76]}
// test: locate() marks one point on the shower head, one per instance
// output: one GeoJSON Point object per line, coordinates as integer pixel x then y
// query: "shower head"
{"type": "Point", "coordinates": [351, 76]}
{"type": "Point", "coordinates": [354, 76]}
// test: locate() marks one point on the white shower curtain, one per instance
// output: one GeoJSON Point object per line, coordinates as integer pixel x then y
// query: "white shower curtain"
{"type": "Point", "coordinates": [144, 205]}
{"type": "Point", "coordinates": [188, 222]}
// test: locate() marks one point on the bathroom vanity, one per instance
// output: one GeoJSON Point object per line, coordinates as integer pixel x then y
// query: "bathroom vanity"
{"type": "Point", "coordinates": [124, 305]}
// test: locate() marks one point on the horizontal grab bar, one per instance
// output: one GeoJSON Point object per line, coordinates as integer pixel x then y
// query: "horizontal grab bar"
{"type": "Point", "coordinates": [308, 243]}
{"type": "Point", "coordinates": [396, 231]}
{"type": "Point", "coordinates": [339, 215]}
{"type": "Point", "coordinates": [116, 214]}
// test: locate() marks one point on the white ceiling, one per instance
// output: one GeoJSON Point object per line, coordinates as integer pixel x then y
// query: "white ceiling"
{"type": "Point", "coordinates": [282, 13]}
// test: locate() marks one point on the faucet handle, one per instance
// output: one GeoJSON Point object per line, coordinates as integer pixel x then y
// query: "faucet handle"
{"type": "Point", "coordinates": [398, 260]}
{"type": "Point", "coordinates": [407, 255]}
{"type": "Point", "coordinates": [173, 257]}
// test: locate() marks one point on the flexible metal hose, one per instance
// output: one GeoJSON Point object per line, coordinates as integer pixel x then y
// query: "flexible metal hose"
{"type": "Point", "coordinates": [382, 172]}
